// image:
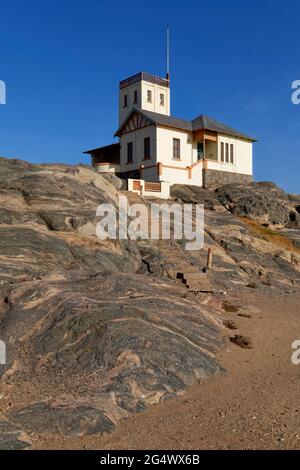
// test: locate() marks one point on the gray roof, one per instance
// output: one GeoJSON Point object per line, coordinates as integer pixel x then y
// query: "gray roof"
{"type": "Point", "coordinates": [207, 123]}
{"type": "Point", "coordinates": [106, 147]}
{"type": "Point", "coordinates": [202, 122]}
{"type": "Point", "coordinates": [164, 120]}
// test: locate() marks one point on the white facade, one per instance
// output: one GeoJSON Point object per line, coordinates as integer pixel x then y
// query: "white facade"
{"type": "Point", "coordinates": [160, 98]}
{"type": "Point", "coordinates": [188, 169]}
{"type": "Point", "coordinates": [137, 139]}
{"type": "Point", "coordinates": [139, 93]}
{"type": "Point", "coordinates": [164, 140]}
{"type": "Point", "coordinates": [156, 147]}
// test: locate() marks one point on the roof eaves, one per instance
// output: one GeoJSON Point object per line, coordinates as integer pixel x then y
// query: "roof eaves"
{"type": "Point", "coordinates": [88, 152]}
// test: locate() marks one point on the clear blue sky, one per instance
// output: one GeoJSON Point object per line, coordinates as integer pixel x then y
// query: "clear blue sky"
{"type": "Point", "coordinates": [233, 60]}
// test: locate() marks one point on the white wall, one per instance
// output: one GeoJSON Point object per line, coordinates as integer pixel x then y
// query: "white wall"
{"type": "Point", "coordinates": [175, 176]}
{"type": "Point", "coordinates": [137, 137]}
{"type": "Point", "coordinates": [141, 87]}
{"type": "Point", "coordinates": [107, 167]}
{"type": "Point", "coordinates": [242, 156]}
{"type": "Point", "coordinates": [197, 174]}
{"type": "Point", "coordinates": [176, 171]}
{"type": "Point", "coordinates": [164, 140]}
{"type": "Point", "coordinates": [155, 105]}
{"type": "Point", "coordinates": [129, 91]}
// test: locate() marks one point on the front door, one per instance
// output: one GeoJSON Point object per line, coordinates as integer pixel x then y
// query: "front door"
{"type": "Point", "coordinates": [200, 150]}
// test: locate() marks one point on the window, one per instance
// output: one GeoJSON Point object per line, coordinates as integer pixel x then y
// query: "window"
{"type": "Point", "coordinates": [227, 153]}
{"type": "Point", "coordinates": [200, 151]}
{"type": "Point", "coordinates": [222, 152]}
{"type": "Point", "coordinates": [231, 153]}
{"type": "Point", "coordinates": [125, 101]}
{"type": "Point", "coordinates": [129, 152]}
{"type": "Point", "coordinates": [176, 149]}
{"type": "Point", "coordinates": [149, 96]}
{"type": "Point", "coordinates": [147, 148]}
{"type": "Point", "coordinates": [162, 99]}
{"type": "Point", "coordinates": [135, 98]}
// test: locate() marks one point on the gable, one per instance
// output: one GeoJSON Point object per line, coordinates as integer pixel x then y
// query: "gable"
{"type": "Point", "coordinates": [134, 122]}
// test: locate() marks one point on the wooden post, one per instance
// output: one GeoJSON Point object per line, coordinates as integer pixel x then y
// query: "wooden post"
{"type": "Point", "coordinates": [209, 259]}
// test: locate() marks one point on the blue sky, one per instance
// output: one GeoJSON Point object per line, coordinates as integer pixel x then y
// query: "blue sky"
{"type": "Point", "coordinates": [233, 60]}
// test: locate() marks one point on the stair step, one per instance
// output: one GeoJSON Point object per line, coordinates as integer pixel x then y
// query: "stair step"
{"type": "Point", "coordinates": [195, 274]}
{"type": "Point", "coordinates": [181, 266]}
{"type": "Point", "coordinates": [197, 281]}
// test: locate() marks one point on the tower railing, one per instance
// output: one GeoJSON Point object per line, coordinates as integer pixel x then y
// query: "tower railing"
{"type": "Point", "coordinates": [147, 77]}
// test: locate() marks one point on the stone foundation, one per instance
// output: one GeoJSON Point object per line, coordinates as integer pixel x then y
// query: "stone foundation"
{"type": "Point", "coordinates": [215, 178]}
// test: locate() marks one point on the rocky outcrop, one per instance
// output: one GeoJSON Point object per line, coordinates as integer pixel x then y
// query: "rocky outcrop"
{"type": "Point", "coordinates": [95, 329]}
{"type": "Point", "coordinates": [11, 438]}
{"type": "Point", "coordinates": [263, 202]}
{"type": "Point", "coordinates": [244, 250]}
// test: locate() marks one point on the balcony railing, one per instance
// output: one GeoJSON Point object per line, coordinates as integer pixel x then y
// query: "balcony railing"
{"type": "Point", "coordinates": [146, 77]}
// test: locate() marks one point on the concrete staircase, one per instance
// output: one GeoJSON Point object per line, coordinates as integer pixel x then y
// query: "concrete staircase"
{"type": "Point", "coordinates": [133, 198]}
{"type": "Point", "coordinates": [197, 281]}
{"type": "Point", "coordinates": [194, 279]}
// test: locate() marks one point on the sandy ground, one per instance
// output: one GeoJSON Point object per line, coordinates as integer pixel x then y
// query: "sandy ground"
{"type": "Point", "coordinates": [255, 405]}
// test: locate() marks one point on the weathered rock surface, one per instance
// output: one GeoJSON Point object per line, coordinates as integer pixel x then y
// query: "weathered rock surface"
{"type": "Point", "coordinates": [113, 343]}
{"type": "Point", "coordinates": [263, 202]}
{"type": "Point", "coordinates": [245, 252]}
{"type": "Point", "coordinates": [12, 438]}
{"type": "Point", "coordinates": [94, 329]}
{"type": "Point", "coordinates": [99, 329]}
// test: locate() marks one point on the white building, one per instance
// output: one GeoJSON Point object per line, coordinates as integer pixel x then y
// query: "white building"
{"type": "Point", "coordinates": [156, 147]}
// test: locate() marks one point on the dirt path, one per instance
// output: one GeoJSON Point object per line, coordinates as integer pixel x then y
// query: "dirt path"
{"type": "Point", "coordinates": [255, 405]}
